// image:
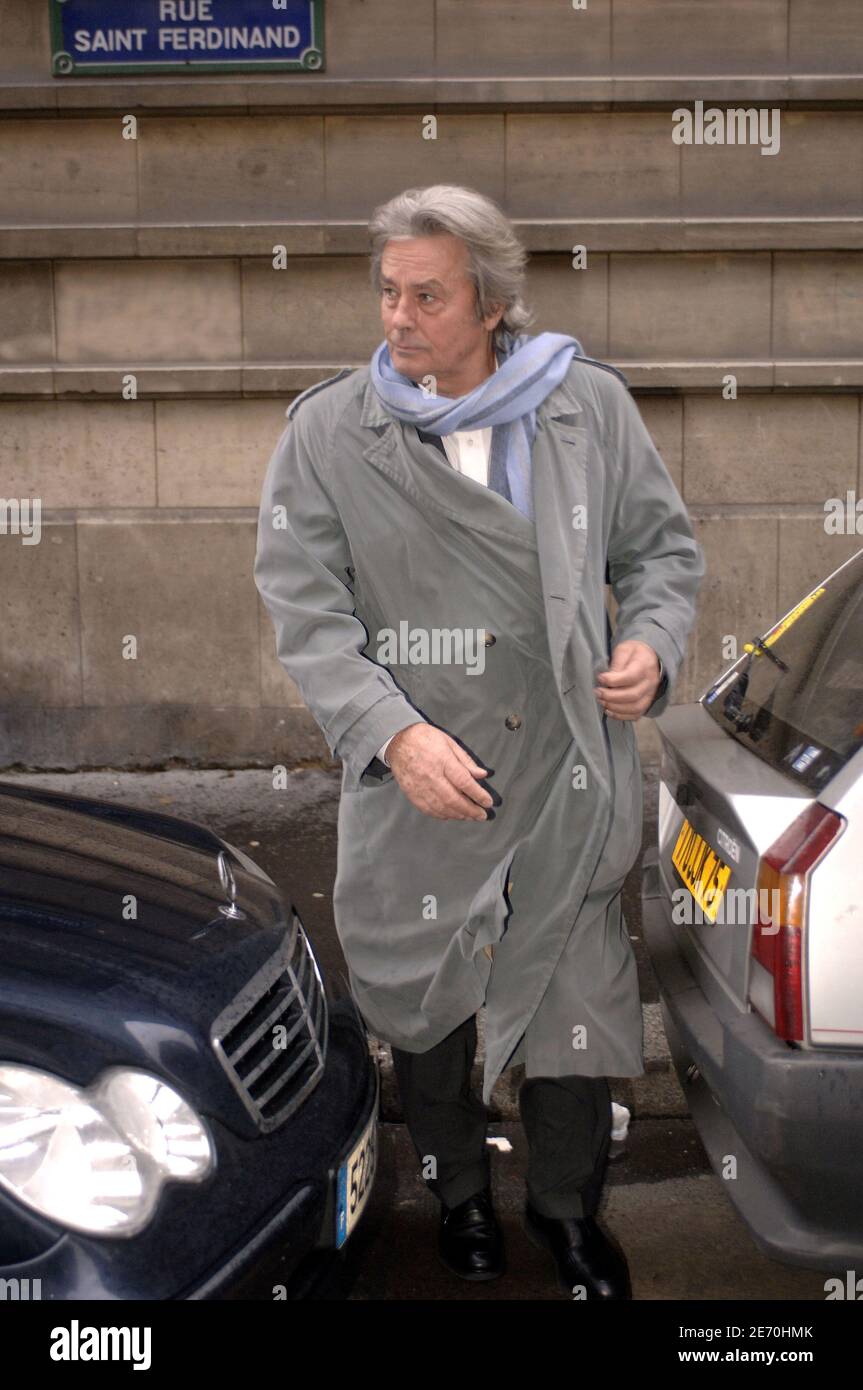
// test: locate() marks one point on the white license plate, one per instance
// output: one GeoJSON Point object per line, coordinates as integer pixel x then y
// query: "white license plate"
{"type": "Point", "coordinates": [356, 1178]}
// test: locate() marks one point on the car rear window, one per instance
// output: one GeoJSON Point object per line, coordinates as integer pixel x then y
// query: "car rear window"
{"type": "Point", "coordinates": [804, 717]}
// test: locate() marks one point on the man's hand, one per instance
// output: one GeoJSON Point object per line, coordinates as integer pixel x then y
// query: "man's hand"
{"type": "Point", "coordinates": [437, 775]}
{"type": "Point", "coordinates": [629, 686]}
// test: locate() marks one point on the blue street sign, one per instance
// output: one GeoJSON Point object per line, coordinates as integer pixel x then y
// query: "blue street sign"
{"type": "Point", "coordinates": [143, 36]}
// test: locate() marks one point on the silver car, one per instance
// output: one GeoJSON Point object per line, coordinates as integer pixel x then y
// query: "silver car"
{"type": "Point", "coordinates": [753, 918]}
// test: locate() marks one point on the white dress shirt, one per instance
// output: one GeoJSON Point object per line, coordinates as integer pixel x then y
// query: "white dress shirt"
{"type": "Point", "coordinates": [469, 451]}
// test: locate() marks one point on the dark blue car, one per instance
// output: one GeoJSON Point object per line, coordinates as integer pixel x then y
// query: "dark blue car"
{"type": "Point", "coordinates": [187, 1109]}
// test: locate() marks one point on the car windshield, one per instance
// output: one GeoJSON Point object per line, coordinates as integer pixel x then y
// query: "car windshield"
{"type": "Point", "coordinates": [796, 698]}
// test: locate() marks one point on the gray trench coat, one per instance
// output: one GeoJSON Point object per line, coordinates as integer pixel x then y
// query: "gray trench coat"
{"type": "Point", "coordinates": [364, 527]}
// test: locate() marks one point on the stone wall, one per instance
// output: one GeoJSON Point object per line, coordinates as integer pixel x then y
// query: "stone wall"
{"type": "Point", "coordinates": [152, 257]}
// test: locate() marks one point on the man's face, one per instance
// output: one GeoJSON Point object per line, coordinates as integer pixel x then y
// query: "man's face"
{"type": "Point", "coordinates": [428, 311]}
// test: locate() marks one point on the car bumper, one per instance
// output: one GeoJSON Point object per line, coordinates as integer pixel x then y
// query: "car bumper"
{"type": "Point", "coordinates": [791, 1118]}
{"type": "Point", "coordinates": [290, 1254]}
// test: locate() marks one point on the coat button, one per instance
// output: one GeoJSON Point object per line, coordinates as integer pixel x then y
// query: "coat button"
{"type": "Point", "coordinates": [513, 721]}
{"type": "Point", "coordinates": [490, 639]}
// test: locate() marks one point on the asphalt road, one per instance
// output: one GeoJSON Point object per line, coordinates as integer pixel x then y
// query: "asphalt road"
{"type": "Point", "coordinates": [662, 1199]}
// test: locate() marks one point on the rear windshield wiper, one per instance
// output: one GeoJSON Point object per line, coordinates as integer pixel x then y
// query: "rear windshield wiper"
{"type": "Point", "coordinates": [731, 705]}
{"type": "Point", "coordinates": [762, 646]}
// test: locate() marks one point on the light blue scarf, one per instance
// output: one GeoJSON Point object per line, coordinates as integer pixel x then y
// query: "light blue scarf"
{"type": "Point", "coordinates": [530, 367]}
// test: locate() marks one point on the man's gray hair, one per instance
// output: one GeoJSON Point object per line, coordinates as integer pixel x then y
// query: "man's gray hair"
{"type": "Point", "coordinates": [496, 257]}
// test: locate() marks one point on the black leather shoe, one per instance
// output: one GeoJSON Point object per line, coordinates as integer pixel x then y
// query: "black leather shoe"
{"type": "Point", "coordinates": [583, 1253]}
{"type": "Point", "coordinates": [470, 1243]}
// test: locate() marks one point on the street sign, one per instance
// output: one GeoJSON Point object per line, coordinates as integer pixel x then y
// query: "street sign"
{"type": "Point", "coordinates": [143, 36]}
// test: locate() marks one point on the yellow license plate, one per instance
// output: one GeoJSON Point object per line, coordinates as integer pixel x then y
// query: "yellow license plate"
{"type": "Point", "coordinates": [703, 872]}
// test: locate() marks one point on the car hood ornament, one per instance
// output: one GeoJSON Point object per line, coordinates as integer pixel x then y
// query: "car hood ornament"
{"type": "Point", "coordinates": [229, 883]}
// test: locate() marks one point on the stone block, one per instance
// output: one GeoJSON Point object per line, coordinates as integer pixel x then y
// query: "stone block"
{"type": "Point", "coordinates": [231, 169]}
{"type": "Point", "coordinates": [215, 453]}
{"type": "Point", "coordinates": [372, 158]}
{"type": "Point", "coordinates": [39, 614]}
{"type": "Point", "coordinates": [572, 301]}
{"type": "Point", "coordinates": [769, 448]}
{"type": "Point", "coordinates": [136, 312]}
{"type": "Point", "coordinates": [26, 312]}
{"type": "Point", "coordinates": [807, 555]}
{"type": "Point", "coordinates": [183, 588]}
{"type": "Point", "coordinates": [684, 38]}
{"type": "Point", "coordinates": [817, 304]}
{"type": "Point", "coordinates": [318, 309]}
{"type": "Point", "coordinates": [25, 40]}
{"type": "Point", "coordinates": [690, 305]}
{"type": "Point", "coordinates": [738, 594]}
{"type": "Point", "coordinates": [377, 39]}
{"type": "Point", "coordinates": [79, 454]}
{"type": "Point", "coordinates": [663, 417]}
{"type": "Point", "coordinates": [591, 164]}
{"type": "Point", "coordinates": [510, 38]}
{"type": "Point", "coordinates": [801, 180]}
{"type": "Point", "coordinates": [58, 172]}
{"type": "Point", "coordinates": [826, 37]}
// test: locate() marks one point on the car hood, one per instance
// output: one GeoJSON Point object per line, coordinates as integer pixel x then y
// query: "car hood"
{"type": "Point", "coordinates": [105, 882]}
{"type": "Point", "coordinates": [112, 945]}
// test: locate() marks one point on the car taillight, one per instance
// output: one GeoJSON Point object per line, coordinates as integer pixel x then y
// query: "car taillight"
{"type": "Point", "coordinates": [777, 940]}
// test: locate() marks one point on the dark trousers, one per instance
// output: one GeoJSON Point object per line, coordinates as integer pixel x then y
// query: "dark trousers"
{"type": "Point", "coordinates": [566, 1119]}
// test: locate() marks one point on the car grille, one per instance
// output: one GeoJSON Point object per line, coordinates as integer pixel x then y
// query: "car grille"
{"type": "Point", "coordinates": [275, 1072]}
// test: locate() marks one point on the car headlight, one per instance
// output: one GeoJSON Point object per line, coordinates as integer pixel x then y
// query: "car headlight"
{"type": "Point", "coordinates": [95, 1159]}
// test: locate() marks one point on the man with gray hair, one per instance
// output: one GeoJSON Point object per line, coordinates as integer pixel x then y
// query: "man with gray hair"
{"type": "Point", "coordinates": [475, 477]}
